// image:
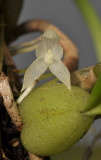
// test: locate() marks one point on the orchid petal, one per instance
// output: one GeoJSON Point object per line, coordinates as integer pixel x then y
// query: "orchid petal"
{"type": "Point", "coordinates": [52, 35]}
{"type": "Point", "coordinates": [35, 70]}
{"type": "Point", "coordinates": [41, 49]}
{"type": "Point", "coordinates": [57, 51]}
{"type": "Point", "coordinates": [61, 72]}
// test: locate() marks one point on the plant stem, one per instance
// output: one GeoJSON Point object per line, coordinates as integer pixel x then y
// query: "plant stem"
{"type": "Point", "coordinates": [30, 87]}
{"type": "Point", "coordinates": [13, 77]}
{"type": "Point", "coordinates": [34, 157]}
{"type": "Point", "coordinates": [26, 92]}
{"type": "Point", "coordinates": [93, 23]}
{"type": "Point", "coordinates": [46, 75]}
{"type": "Point", "coordinates": [25, 44]}
{"type": "Point", "coordinates": [1, 103]}
{"type": "Point", "coordinates": [93, 112]}
{"type": "Point", "coordinates": [23, 50]}
{"type": "Point", "coordinates": [8, 101]}
{"type": "Point", "coordinates": [1, 41]}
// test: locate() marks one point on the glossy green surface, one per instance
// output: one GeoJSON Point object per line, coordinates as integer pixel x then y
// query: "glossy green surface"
{"type": "Point", "coordinates": [97, 69]}
{"type": "Point", "coordinates": [52, 119]}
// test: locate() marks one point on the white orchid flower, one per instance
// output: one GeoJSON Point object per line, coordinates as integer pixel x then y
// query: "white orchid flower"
{"type": "Point", "coordinates": [49, 54]}
{"type": "Point", "coordinates": [50, 35]}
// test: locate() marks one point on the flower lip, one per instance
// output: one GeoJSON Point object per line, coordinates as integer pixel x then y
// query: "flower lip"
{"type": "Point", "coordinates": [44, 46]}
{"type": "Point", "coordinates": [48, 57]}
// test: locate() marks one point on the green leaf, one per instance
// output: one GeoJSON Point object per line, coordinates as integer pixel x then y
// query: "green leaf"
{"type": "Point", "coordinates": [95, 98]}
{"type": "Point", "coordinates": [93, 22]}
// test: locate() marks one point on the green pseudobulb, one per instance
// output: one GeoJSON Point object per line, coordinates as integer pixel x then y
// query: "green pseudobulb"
{"type": "Point", "coordinates": [52, 121]}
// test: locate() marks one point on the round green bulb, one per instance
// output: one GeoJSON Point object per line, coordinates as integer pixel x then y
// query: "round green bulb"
{"type": "Point", "coordinates": [52, 121]}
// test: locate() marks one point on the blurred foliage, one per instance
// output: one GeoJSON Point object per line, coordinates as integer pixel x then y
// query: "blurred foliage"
{"type": "Point", "coordinates": [1, 41]}
{"type": "Point", "coordinates": [76, 153]}
{"type": "Point", "coordinates": [93, 22]}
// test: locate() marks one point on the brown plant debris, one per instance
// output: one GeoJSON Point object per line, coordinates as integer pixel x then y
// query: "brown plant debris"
{"type": "Point", "coordinates": [84, 78]}
{"type": "Point", "coordinates": [89, 81]}
{"type": "Point", "coordinates": [34, 157]}
{"type": "Point", "coordinates": [8, 100]}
